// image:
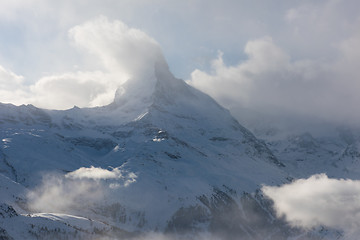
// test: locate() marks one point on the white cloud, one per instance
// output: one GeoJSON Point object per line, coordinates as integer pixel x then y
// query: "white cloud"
{"type": "Point", "coordinates": [319, 200]}
{"type": "Point", "coordinates": [12, 89]}
{"type": "Point", "coordinates": [83, 187]}
{"type": "Point", "coordinates": [62, 195]}
{"type": "Point", "coordinates": [84, 89]}
{"type": "Point", "coordinates": [262, 79]}
{"type": "Point", "coordinates": [95, 173]}
{"type": "Point", "coordinates": [9, 80]}
{"type": "Point", "coordinates": [122, 51]}
{"type": "Point", "coordinates": [269, 80]}
{"type": "Point", "coordinates": [119, 53]}
{"type": "Point", "coordinates": [120, 48]}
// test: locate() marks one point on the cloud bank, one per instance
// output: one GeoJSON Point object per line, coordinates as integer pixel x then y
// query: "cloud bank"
{"type": "Point", "coordinates": [319, 201]}
{"type": "Point", "coordinates": [270, 80]}
{"type": "Point", "coordinates": [117, 52]}
{"type": "Point", "coordinates": [83, 187]}
{"type": "Point", "coordinates": [309, 69]}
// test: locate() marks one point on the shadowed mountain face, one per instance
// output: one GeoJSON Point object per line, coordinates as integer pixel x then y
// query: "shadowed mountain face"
{"type": "Point", "coordinates": [166, 158]}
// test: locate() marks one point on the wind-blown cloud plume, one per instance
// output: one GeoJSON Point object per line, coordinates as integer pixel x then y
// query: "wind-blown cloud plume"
{"type": "Point", "coordinates": [118, 47]}
{"type": "Point", "coordinates": [317, 201]}
{"type": "Point", "coordinates": [117, 52]}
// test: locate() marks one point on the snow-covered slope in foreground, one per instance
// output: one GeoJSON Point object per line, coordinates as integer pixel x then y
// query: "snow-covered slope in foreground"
{"type": "Point", "coordinates": [166, 159]}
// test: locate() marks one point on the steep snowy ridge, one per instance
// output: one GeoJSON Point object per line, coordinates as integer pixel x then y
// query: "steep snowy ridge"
{"type": "Point", "coordinates": [170, 160]}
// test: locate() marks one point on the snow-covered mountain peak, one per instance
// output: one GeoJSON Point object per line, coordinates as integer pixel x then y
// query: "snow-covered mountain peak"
{"type": "Point", "coordinates": [156, 84]}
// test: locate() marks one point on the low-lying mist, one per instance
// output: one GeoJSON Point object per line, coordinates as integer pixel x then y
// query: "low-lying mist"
{"type": "Point", "coordinates": [306, 204]}
{"type": "Point", "coordinates": [319, 201]}
{"type": "Point", "coordinates": [77, 190]}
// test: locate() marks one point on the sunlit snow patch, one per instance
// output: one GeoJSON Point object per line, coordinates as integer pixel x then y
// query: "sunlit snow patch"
{"type": "Point", "coordinates": [71, 220]}
{"type": "Point", "coordinates": [116, 148]}
{"type": "Point", "coordinates": [158, 138]}
{"type": "Point", "coordinates": [140, 116]}
{"type": "Point", "coordinates": [6, 141]}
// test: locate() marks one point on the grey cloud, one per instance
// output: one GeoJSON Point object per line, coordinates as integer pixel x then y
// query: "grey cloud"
{"type": "Point", "coordinates": [270, 80]}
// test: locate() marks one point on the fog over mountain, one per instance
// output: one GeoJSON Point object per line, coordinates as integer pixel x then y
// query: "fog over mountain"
{"type": "Point", "coordinates": [99, 139]}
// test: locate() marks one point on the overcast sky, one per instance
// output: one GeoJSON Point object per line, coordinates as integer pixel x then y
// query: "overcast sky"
{"type": "Point", "coordinates": [300, 56]}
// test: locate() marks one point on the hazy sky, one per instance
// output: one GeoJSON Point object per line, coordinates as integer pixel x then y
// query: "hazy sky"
{"type": "Point", "coordinates": [300, 56]}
